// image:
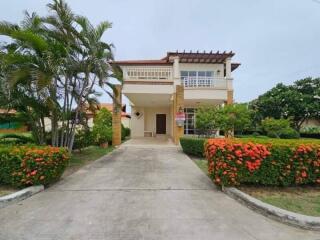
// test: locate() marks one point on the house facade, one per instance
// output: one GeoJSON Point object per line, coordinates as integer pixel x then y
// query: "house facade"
{"type": "Point", "coordinates": [165, 93]}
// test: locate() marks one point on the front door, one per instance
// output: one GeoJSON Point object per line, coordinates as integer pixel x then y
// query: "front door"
{"type": "Point", "coordinates": [161, 123]}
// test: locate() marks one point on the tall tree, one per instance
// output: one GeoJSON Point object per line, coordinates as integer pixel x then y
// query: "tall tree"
{"type": "Point", "coordinates": [298, 102]}
{"type": "Point", "coordinates": [58, 61]}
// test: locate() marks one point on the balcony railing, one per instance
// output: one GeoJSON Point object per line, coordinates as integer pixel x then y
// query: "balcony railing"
{"type": "Point", "coordinates": [148, 73]}
{"type": "Point", "coordinates": [204, 82]}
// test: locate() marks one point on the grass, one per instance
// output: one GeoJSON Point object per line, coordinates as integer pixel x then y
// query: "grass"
{"type": "Point", "coordinates": [6, 190]}
{"type": "Point", "coordinates": [87, 155]}
{"type": "Point", "coordinates": [304, 200]}
{"type": "Point", "coordinates": [202, 164]}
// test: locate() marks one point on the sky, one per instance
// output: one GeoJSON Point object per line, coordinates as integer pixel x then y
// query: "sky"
{"type": "Point", "coordinates": [275, 41]}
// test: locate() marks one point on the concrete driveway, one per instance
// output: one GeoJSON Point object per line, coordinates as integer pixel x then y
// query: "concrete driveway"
{"type": "Point", "coordinates": [139, 192]}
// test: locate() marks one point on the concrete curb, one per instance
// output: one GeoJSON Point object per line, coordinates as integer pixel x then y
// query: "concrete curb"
{"type": "Point", "coordinates": [20, 195]}
{"type": "Point", "coordinates": [284, 216]}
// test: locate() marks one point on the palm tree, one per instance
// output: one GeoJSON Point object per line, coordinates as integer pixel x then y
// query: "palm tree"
{"type": "Point", "coordinates": [58, 61]}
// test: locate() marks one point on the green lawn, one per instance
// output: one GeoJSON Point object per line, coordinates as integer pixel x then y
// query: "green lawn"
{"type": "Point", "coordinates": [6, 190]}
{"type": "Point", "coordinates": [202, 164]}
{"type": "Point", "coordinates": [87, 155]}
{"type": "Point", "coordinates": [304, 200]}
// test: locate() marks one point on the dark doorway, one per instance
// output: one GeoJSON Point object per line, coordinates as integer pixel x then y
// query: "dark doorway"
{"type": "Point", "coordinates": [161, 123]}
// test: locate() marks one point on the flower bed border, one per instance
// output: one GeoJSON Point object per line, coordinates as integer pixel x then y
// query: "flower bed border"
{"type": "Point", "coordinates": [20, 195]}
{"type": "Point", "coordinates": [279, 214]}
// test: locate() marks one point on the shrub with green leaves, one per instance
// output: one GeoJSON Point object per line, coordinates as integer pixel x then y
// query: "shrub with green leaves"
{"type": "Point", "coordinates": [82, 139]}
{"type": "Point", "coordinates": [279, 128]}
{"type": "Point", "coordinates": [206, 119]}
{"type": "Point", "coordinates": [102, 128]}
{"type": "Point", "coordinates": [22, 166]}
{"type": "Point", "coordinates": [264, 162]}
{"type": "Point", "coordinates": [193, 146]}
{"type": "Point", "coordinates": [234, 117]}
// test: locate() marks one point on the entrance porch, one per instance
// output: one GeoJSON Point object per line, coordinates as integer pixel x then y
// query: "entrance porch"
{"type": "Point", "coordinates": [151, 121]}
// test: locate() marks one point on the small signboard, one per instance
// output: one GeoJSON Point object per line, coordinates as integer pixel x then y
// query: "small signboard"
{"type": "Point", "coordinates": [180, 116]}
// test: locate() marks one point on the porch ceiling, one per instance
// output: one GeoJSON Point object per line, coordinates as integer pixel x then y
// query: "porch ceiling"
{"type": "Point", "coordinates": [149, 100]}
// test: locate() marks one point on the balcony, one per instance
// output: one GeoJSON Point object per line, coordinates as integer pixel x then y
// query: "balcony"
{"type": "Point", "coordinates": [161, 74]}
{"type": "Point", "coordinates": [206, 82]}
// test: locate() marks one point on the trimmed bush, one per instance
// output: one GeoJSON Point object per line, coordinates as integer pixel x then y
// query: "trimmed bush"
{"type": "Point", "coordinates": [275, 163]}
{"type": "Point", "coordinates": [22, 166]}
{"type": "Point", "coordinates": [193, 146]}
{"type": "Point", "coordinates": [289, 133]}
{"type": "Point", "coordinates": [15, 139]}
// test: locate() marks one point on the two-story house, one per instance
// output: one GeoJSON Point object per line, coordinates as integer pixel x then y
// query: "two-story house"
{"type": "Point", "coordinates": [165, 93]}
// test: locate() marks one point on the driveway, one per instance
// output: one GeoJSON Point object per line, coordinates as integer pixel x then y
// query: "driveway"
{"type": "Point", "coordinates": [139, 192]}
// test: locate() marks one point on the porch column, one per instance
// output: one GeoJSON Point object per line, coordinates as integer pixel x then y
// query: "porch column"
{"type": "Point", "coordinates": [230, 97]}
{"type": "Point", "coordinates": [178, 105]}
{"type": "Point", "coordinates": [116, 116]}
{"type": "Point", "coordinates": [229, 81]}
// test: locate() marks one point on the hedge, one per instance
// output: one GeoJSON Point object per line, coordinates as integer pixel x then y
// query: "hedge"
{"type": "Point", "coordinates": [193, 146]}
{"type": "Point", "coordinates": [275, 163]}
{"type": "Point", "coordinates": [12, 138]}
{"type": "Point", "coordinates": [22, 166]}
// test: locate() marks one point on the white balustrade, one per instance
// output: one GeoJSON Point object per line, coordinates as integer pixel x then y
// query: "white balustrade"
{"type": "Point", "coordinates": [204, 82]}
{"type": "Point", "coordinates": [148, 73]}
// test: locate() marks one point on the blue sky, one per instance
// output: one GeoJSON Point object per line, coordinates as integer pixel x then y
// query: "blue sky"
{"type": "Point", "coordinates": [275, 41]}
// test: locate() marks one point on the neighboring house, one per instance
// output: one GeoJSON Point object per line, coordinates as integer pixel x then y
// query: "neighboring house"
{"type": "Point", "coordinates": [311, 123]}
{"type": "Point", "coordinates": [125, 117]}
{"type": "Point", "coordinates": [8, 124]}
{"type": "Point", "coordinates": [165, 93]}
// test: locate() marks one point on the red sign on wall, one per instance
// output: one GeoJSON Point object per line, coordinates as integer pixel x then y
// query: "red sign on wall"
{"type": "Point", "coordinates": [180, 116]}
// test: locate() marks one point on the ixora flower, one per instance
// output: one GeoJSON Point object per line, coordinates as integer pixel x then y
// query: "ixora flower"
{"type": "Point", "coordinates": [232, 162]}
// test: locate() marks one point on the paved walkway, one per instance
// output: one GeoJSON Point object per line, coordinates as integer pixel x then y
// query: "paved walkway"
{"type": "Point", "coordinates": [139, 193]}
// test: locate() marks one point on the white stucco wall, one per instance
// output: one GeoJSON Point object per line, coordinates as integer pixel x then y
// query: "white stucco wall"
{"type": "Point", "coordinates": [137, 124]}
{"type": "Point", "coordinates": [147, 122]}
{"type": "Point", "coordinates": [150, 118]}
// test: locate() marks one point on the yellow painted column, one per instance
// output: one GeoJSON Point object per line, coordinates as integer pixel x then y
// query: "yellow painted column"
{"type": "Point", "coordinates": [178, 106]}
{"type": "Point", "coordinates": [116, 116]}
{"type": "Point", "coordinates": [230, 97]}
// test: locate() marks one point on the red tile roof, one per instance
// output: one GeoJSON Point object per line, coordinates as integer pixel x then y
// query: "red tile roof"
{"type": "Point", "coordinates": [185, 57]}
{"type": "Point", "coordinates": [6, 111]}
{"type": "Point", "coordinates": [143, 62]}
{"type": "Point", "coordinates": [109, 107]}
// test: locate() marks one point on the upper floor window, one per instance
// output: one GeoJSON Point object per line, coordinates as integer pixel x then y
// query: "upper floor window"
{"type": "Point", "coordinates": [196, 74]}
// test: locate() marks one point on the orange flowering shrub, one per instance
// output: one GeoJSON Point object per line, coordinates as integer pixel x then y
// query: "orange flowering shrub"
{"type": "Point", "coordinates": [31, 165]}
{"type": "Point", "coordinates": [233, 162]}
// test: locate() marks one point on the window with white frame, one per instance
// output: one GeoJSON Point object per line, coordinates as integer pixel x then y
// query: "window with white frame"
{"type": "Point", "coordinates": [190, 122]}
{"type": "Point", "coordinates": [197, 78]}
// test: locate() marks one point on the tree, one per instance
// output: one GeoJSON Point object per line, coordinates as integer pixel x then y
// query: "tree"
{"type": "Point", "coordinates": [206, 119]}
{"type": "Point", "coordinates": [234, 117]}
{"type": "Point", "coordinates": [298, 102]}
{"type": "Point", "coordinates": [53, 68]}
